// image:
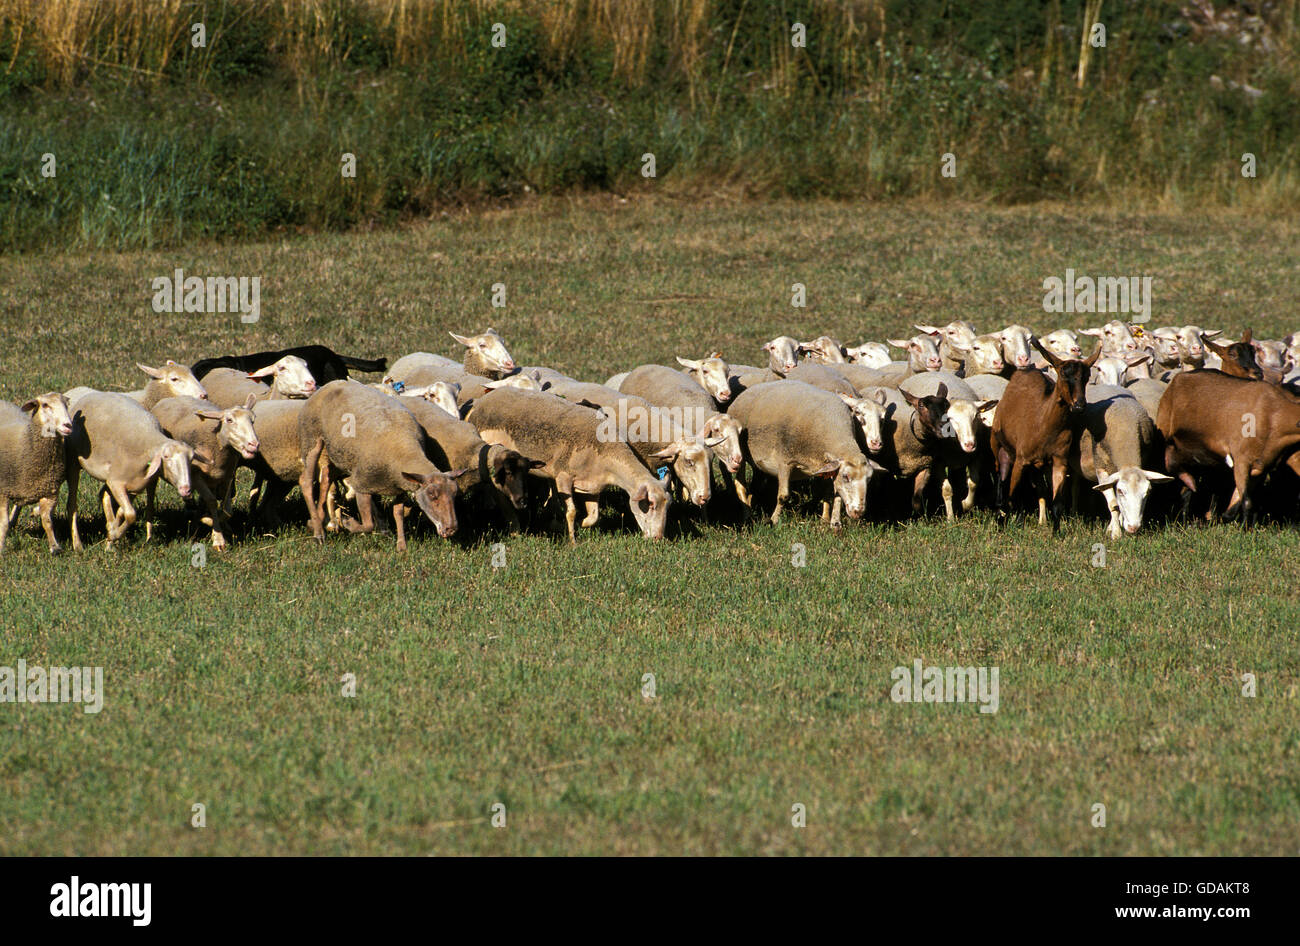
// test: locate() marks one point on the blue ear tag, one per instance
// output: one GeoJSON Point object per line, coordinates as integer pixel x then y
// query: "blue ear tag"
{"type": "Point", "coordinates": [662, 473]}
{"type": "Point", "coordinates": [399, 386]}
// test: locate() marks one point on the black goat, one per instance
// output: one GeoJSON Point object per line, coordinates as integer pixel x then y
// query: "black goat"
{"type": "Point", "coordinates": [324, 364]}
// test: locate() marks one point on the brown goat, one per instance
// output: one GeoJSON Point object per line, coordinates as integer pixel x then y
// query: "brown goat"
{"type": "Point", "coordinates": [1238, 358]}
{"type": "Point", "coordinates": [1209, 418]}
{"type": "Point", "coordinates": [1035, 426]}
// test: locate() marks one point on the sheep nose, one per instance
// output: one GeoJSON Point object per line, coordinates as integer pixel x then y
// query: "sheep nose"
{"type": "Point", "coordinates": [1131, 530]}
{"type": "Point", "coordinates": [723, 395]}
{"type": "Point", "coordinates": [1022, 360]}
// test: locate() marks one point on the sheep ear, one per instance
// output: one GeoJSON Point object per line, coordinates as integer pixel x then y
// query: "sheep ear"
{"type": "Point", "coordinates": [154, 464]}
{"type": "Point", "coordinates": [1090, 331]}
{"type": "Point", "coordinates": [927, 329]}
{"type": "Point", "coordinates": [1145, 356]}
{"type": "Point", "coordinates": [898, 342]}
{"type": "Point", "coordinates": [642, 494]}
{"type": "Point", "coordinates": [828, 469]}
{"type": "Point", "coordinates": [202, 455]}
{"type": "Point", "coordinates": [250, 401]}
{"type": "Point", "coordinates": [31, 406]}
{"type": "Point", "coordinates": [209, 415]}
{"type": "Point", "coordinates": [1154, 477]}
{"type": "Point", "coordinates": [536, 464]}
{"type": "Point", "coordinates": [667, 453]}
{"type": "Point", "coordinates": [457, 474]}
{"type": "Point", "coordinates": [262, 372]}
{"type": "Point", "coordinates": [460, 338]}
{"type": "Point", "coordinates": [879, 396]}
{"type": "Point", "coordinates": [414, 477]}
{"type": "Point", "coordinates": [714, 441]}
{"type": "Point", "coordinates": [151, 372]}
{"type": "Point", "coordinates": [1105, 482]}
{"type": "Point", "coordinates": [687, 363]}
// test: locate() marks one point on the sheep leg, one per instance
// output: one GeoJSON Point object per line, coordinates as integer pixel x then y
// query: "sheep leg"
{"type": "Point", "coordinates": [366, 507]}
{"type": "Point", "coordinates": [399, 521]}
{"type": "Point", "coordinates": [972, 479]}
{"type": "Point", "coordinates": [570, 516]}
{"type": "Point", "coordinates": [836, 513]}
{"type": "Point", "coordinates": [1113, 505]}
{"type": "Point", "coordinates": [782, 492]}
{"type": "Point", "coordinates": [307, 483]}
{"type": "Point", "coordinates": [592, 509]}
{"type": "Point", "coordinates": [214, 507]}
{"type": "Point", "coordinates": [45, 508]}
{"type": "Point", "coordinates": [74, 476]}
{"type": "Point", "coordinates": [148, 508]}
{"type": "Point", "coordinates": [126, 514]}
{"type": "Point", "coordinates": [946, 490]}
{"type": "Point", "coordinates": [4, 523]}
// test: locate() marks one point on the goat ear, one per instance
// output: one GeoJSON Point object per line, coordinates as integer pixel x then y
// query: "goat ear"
{"type": "Point", "coordinates": [1218, 349]}
{"type": "Point", "coordinates": [712, 442]}
{"type": "Point", "coordinates": [1246, 336]}
{"type": "Point", "coordinates": [942, 392]}
{"type": "Point", "coordinates": [1214, 333]}
{"type": "Point", "coordinates": [151, 372]}
{"type": "Point", "coordinates": [1092, 359]}
{"type": "Point", "coordinates": [984, 406]}
{"type": "Point", "coordinates": [1147, 355]}
{"type": "Point", "coordinates": [909, 397]}
{"type": "Point", "coordinates": [536, 464]}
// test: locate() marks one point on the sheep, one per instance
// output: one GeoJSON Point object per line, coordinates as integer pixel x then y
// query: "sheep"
{"type": "Point", "coordinates": [121, 444]}
{"type": "Point", "coordinates": [380, 448]}
{"type": "Point", "coordinates": [982, 355]}
{"type": "Point", "coordinates": [695, 408]}
{"type": "Point", "coordinates": [454, 444]}
{"type": "Point", "coordinates": [32, 459]}
{"type": "Point", "coordinates": [1148, 392]}
{"type": "Point", "coordinates": [324, 364]}
{"type": "Point", "coordinates": [1208, 418]}
{"type": "Point", "coordinates": [1118, 446]}
{"type": "Point", "coordinates": [656, 436]}
{"type": "Point", "coordinates": [220, 438]}
{"type": "Point", "coordinates": [952, 338]}
{"type": "Point", "coordinates": [987, 387]}
{"type": "Point", "coordinates": [1271, 356]}
{"type": "Point", "coordinates": [1291, 359]}
{"type": "Point", "coordinates": [869, 354]}
{"type": "Point", "coordinates": [417, 359]}
{"type": "Point", "coordinates": [824, 350]}
{"type": "Point", "coordinates": [1164, 345]}
{"type": "Point", "coordinates": [171, 380]}
{"type": "Point", "coordinates": [963, 432]}
{"type": "Point", "coordinates": [468, 386]}
{"type": "Point", "coordinates": [1016, 349]}
{"type": "Point", "coordinates": [922, 352]}
{"type": "Point", "coordinates": [712, 374]}
{"type": "Point", "coordinates": [575, 457]}
{"type": "Point", "coordinates": [826, 377]}
{"type": "Point", "coordinates": [277, 466]}
{"type": "Point", "coordinates": [1033, 428]}
{"type": "Point", "coordinates": [486, 355]}
{"type": "Point", "coordinates": [616, 381]}
{"type": "Point", "coordinates": [795, 431]}
{"type": "Point", "coordinates": [1063, 343]}
{"type": "Point", "coordinates": [862, 377]}
{"type": "Point", "coordinates": [1237, 358]}
{"type": "Point", "coordinates": [1116, 338]}
{"type": "Point", "coordinates": [1116, 371]}
{"type": "Point", "coordinates": [228, 387]}
{"type": "Point", "coordinates": [441, 393]}
{"type": "Point", "coordinates": [782, 354]}
{"type": "Point", "coordinates": [1191, 344]}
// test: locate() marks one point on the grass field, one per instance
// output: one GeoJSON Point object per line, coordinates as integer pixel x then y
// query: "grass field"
{"type": "Point", "coordinates": [1119, 685]}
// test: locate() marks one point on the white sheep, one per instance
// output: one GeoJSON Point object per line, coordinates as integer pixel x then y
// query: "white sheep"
{"type": "Point", "coordinates": [32, 459]}
{"type": "Point", "coordinates": [290, 378]}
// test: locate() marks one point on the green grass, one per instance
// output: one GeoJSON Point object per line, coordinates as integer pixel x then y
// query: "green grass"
{"type": "Point", "coordinates": [1119, 685]}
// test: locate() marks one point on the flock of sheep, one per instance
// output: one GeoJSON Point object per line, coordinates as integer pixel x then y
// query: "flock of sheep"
{"type": "Point", "coordinates": [1144, 408]}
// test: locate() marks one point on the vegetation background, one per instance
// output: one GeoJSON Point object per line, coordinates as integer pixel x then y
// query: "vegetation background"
{"type": "Point", "coordinates": [159, 142]}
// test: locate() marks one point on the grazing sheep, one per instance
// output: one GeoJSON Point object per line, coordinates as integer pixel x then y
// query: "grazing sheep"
{"type": "Point", "coordinates": [795, 431]}
{"type": "Point", "coordinates": [1118, 448]}
{"type": "Point", "coordinates": [454, 444]}
{"type": "Point", "coordinates": [171, 380]}
{"type": "Point", "coordinates": [952, 339]}
{"type": "Point", "coordinates": [575, 458]}
{"type": "Point", "coordinates": [323, 364]}
{"type": "Point", "coordinates": [1034, 427]}
{"type": "Point", "coordinates": [869, 354]}
{"type": "Point", "coordinates": [380, 449]}
{"type": "Point", "coordinates": [696, 410]}
{"type": "Point", "coordinates": [656, 436]}
{"type": "Point", "coordinates": [121, 444]}
{"type": "Point", "coordinates": [219, 438]}
{"type": "Point", "coordinates": [922, 353]}
{"type": "Point", "coordinates": [486, 355]}
{"type": "Point", "coordinates": [32, 459]}
{"type": "Point", "coordinates": [290, 378]}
